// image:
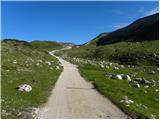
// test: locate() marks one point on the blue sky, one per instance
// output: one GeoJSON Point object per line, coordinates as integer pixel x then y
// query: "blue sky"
{"type": "Point", "coordinates": [76, 22]}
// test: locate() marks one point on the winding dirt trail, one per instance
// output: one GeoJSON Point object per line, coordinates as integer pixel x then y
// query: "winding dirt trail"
{"type": "Point", "coordinates": [73, 97]}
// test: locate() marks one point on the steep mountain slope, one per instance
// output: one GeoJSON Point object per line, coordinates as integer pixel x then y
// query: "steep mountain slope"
{"type": "Point", "coordinates": [143, 29]}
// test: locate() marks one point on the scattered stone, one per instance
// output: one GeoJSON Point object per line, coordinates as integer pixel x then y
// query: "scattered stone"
{"type": "Point", "coordinates": [14, 62]}
{"type": "Point", "coordinates": [142, 81]}
{"type": "Point", "coordinates": [115, 68]}
{"type": "Point", "coordinates": [19, 113]}
{"type": "Point", "coordinates": [48, 63]}
{"type": "Point", "coordinates": [102, 66]}
{"type": "Point", "coordinates": [145, 91]}
{"type": "Point", "coordinates": [142, 106]}
{"type": "Point", "coordinates": [156, 90]}
{"type": "Point", "coordinates": [136, 85]}
{"type": "Point", "coordinates": [110, 64]}
{"type": "Point", "coordinates": [107, 66]}
{"type": "Point", "coordinates": [126, 77]}
{"type": "Point", "coordinates": [57, 67]}
{"type": "Point", "coordinates": [154, 55]}
{"type": "Point", "coordinates": [138, 79]}
{"type": "Point", "coordinates": [37, 64]}
{"type": "Point", "coordinates": [152, 72]}
{"type": "Point", "coordinates": [4, 113]}
{"type": "Point", "coordinates": [153, 81]}
{"type": "Point", "coordinates": [153, 85]}
{"type": "Point", "coordinates": [126, 100]}
{"type": "Point", "coordinates": [109, 75]}
{"type": "Point", "coordinates": [24, 87]}
{"type": "Point", "coordinates": [122, 66]}
{"type": "Point", "coordinates": [153, 116]}
{"type": "Point", "coordinates": [146, 86]}
{"type": "Point", "coordinates": [145, 82]}
{"type": "Point", "coordinates": [116, 77]}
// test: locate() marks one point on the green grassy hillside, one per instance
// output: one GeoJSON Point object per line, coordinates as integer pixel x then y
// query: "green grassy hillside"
{"type": "Point", "coordinates": [139, 53]}
{"type": "Point", "coordinates": [46, 45]}
{"type": "Point", "coordinates": [23, 64]}
{"type": "Point", "coordinates": [145, 98]}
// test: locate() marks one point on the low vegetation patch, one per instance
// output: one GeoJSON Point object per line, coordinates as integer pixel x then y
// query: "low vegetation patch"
{"type": "Point", "coordinates": [144, 97]}
{"type": "Point", "coordinates": [23, 64]}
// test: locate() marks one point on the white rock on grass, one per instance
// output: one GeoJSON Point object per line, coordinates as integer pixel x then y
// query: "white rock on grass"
{"type": "Point", "coordinates": [14, 62]}
{"type": "Point", "coordinates": [115, 68]}
{"type": "Point", "coordinates": [126, 100]}
{"type": "Point", "coordinates": [153, 116]}
{"type": "Point", "coordinates": [120, 77]}
{"type": "Point", "coordinates": [24, 87]}
{"type": "Point", "coordinates": [4, 113]}
{"type": "Point", "coordinates": [122, 66]}
{"type": "Point", "coordinates": [146, 86]}
{"type": "Point", "coordinates": [137, 85]}
{"type": "Point", "coordinates": [117, 77]}
{"type": "Point", "coordinates": [126, 77]}
{"type": "Point", "coordinates": [156, 90]}
{"type": "Point", "coordinates": [110, 64]}
{"type": "Point", "coordinates": [102, 66]}
{"type": "Point", "coordinates": [107, 66]}
{"type": "Point", "coordinates": [47, 62]}
{"type": "Point", "coordinates": [37, 64]}
{"type": "Point", "coordinates": [152, 72]}
{"type": "Point", "coordinates": [145, 91]}
{"type": "Point", "coordinates": [57, 67]}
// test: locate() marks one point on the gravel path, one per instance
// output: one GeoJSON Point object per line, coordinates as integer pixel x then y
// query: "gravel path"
{"type": "Point", "coordinates": [73, 97]}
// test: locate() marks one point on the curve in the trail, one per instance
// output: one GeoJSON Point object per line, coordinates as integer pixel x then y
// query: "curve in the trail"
{"type": "Point", "coordinates": [73, 97]}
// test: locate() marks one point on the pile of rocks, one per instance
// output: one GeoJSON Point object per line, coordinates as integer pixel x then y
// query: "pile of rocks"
{"type": "Point", "coordinates": [142, 81]}
{"type": "Point", "coordinates": [119, 76]}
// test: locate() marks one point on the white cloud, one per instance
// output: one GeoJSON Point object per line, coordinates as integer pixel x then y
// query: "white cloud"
{"type": "Point", "coordinates": [152, 11]}
{"type": "Point", "coordinates": [121, 25]}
